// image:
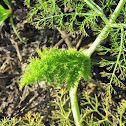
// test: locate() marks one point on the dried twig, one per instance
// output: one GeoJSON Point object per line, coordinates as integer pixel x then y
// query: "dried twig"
{"type": "Point", "coordinates": [78, 44]}
{"type": "Point", "coordinates": [57, 44]}
{"type": "Point", "coordinates": [17, 49]}
{"type": "Point", "coordinates": [67, 39]}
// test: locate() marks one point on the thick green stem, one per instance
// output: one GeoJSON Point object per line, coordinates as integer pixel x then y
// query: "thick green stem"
{"type": "Point", "coordinates": [74, 105]}
{"type": "Point", "coordinates": [104, 33]}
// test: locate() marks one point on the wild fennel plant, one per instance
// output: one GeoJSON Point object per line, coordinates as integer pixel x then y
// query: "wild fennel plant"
{"type": "Point", "coordinates": [65, 66]}
{"type": "Point", "coordinates": [70, 65]}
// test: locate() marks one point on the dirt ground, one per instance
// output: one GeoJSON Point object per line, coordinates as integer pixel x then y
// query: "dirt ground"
{"type": "Point", "coordinates": [13, 58]}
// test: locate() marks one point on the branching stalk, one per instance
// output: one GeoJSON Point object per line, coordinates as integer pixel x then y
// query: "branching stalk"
{"type": "Point", "coordinates": [97, 9]}
{"type": "Point", "coordinates": [104, 33]}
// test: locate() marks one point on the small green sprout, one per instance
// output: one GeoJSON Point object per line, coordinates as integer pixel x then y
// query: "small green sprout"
{"type": "Point", "coordinates": [4, 14]}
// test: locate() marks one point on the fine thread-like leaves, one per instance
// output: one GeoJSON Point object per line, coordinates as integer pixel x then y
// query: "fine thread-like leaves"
{"type": "Point", "coordinates": [63, 65]}
{"type": "Point", "coordinates": [115, 69]}
{"type": "Point", "coordinates": [41, 15]}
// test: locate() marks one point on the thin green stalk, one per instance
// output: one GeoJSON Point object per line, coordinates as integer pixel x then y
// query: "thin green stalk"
{"type": "Point", "coordinates": [104, 33]}
{"type": "Point", "coordinates": [16, 32]}
{"type": "Point", "coordinates": [74, 104]}
{"type": "Point", "coordinates": [118, 25]}
{"type": "Point", "coordinates": [104, 117]}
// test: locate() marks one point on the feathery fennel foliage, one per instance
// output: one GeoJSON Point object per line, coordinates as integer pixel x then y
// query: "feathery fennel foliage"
{"type": "Point", "coordinates": [63, 65]}
{"type": "Point", "coordinates": [116, 70]}
{"type": "Point", "coordinates": [65, 14]}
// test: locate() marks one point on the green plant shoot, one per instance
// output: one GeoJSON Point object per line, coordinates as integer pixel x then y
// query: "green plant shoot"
{"type": "Point", "coordinates": [4, 14]}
